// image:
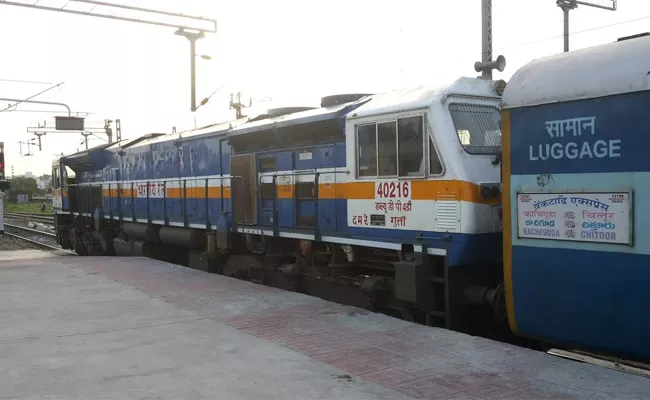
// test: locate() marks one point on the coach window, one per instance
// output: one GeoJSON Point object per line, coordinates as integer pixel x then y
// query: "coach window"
{"type": "Point", "coordinates": [367, 150]}
{"type": "Point", "coordinates": [411, 149]}
{"type": "Point", "coordinates": [267, 164]}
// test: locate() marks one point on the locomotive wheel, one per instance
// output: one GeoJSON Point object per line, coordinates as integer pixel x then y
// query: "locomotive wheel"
{"type": "Point", "coordinates": [80, 249]}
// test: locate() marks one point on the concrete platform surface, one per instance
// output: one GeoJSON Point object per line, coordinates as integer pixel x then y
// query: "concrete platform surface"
{"type": "Point", "coordinates": [134, 328]}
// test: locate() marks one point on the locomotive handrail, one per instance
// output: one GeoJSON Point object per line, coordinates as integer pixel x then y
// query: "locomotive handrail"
{"type": "Point", "coordinates": [148, 182]}
{"type": "Point", "coordinates": [155, 180]}
{"type": "Point", "coordinates": [110, 200]}
{"type": "Point", "coordinates": [304, 173]}
{"type": "Point", "coordinates": [132, 203]}
{"type": "Point", "coordinates": [274, 177]}
{"type": "Point", "coordinates": [77, 204]}
{"type": "Point", "coordinates": [184, 206]}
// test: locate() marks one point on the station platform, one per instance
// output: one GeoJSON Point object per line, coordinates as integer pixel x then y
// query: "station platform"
{"type": "Point", "coordinates": [136, 328]}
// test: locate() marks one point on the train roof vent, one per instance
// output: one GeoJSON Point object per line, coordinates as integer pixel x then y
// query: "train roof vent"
{"type": "Point", "coordinates": [277, 112]}
{"type": "Point", "coordinates": [334, 100]}
{"type": "Point", "coordinates": [638, 35]}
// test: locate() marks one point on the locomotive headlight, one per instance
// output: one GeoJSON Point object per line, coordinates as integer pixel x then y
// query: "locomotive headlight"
{"type": "Point", "coordinates": [490, 190]}
{"type": "Point", "coordinates": [485, 191]}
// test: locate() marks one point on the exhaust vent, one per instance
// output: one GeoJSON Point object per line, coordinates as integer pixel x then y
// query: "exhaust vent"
{"type": "Point", "coordinates": [277, 112]}
{"type": "Point", "coordinates": [334, 100]}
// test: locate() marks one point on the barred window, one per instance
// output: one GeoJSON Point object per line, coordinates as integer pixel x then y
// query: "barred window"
{"type": "Point", "coordinates": [478, 127]}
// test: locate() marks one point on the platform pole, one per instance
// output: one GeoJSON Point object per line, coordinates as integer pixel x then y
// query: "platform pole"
{"type": "Point", "coordinates": [566, 28]}
{"type": "Point", "coordinates": [2, 212]}
{"type": "Point", "coordinates": [192, 37]}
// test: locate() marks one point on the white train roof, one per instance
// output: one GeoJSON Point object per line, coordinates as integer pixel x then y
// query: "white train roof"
{"type": "Point", "coordinates": [599, 71]}
{"type": "Point", "coordinates": [420, 97]}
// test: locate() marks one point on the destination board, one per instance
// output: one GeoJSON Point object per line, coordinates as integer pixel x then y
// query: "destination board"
{"type": "Point", "coordinates": [581, 217]}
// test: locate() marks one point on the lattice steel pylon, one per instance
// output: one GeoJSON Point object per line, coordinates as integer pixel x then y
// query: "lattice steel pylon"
{"type": "Point", "coordinates": [191, 27]}
{"type": "Point", "coordinates": [486, 65]}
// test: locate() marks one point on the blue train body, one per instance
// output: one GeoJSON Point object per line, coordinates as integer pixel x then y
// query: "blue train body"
{"type": "Point", "coordinates": [581, 279]}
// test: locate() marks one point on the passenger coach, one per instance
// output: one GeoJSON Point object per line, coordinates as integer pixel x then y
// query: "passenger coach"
{"type": "Point", "coordinates": [576, 141]}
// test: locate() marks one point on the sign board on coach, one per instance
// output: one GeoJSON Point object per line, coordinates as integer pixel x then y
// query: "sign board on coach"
{"type": "Point", "coordinates": [578, 217]}
{"type": "Point", "coordinates": [156, 190]}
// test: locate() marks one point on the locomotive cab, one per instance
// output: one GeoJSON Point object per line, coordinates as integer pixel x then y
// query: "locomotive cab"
{"type": "Point", "coordinates": [428, 159]}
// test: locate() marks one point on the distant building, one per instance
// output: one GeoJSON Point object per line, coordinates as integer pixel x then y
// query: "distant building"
{"type": "Point", "coordinates": [43, 183]}
{"type": "Point", "coordinates": [28, 175]}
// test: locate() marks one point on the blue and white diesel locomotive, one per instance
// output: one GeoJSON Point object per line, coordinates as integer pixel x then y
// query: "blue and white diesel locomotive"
{"type": "Point", "coordinates": [388, 201]}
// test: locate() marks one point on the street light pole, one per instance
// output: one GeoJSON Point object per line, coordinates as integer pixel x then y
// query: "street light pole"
{"type": "Point", "coordinates": [568, 5]}
{"type": "Point", "coordinates": [192, 37]}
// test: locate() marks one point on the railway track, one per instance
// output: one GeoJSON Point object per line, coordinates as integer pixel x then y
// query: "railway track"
{"type": "Point", "coordinates": [30, 230]}
{"type": "Point", "coordinates": [39, 244]}
{"type": "Point", "coordinates": [30, 216]}
{"type": "Point", "coordinates": [16, 229]}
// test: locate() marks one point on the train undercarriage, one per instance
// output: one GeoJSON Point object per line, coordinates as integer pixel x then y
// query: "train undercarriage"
{"type": "Point", "coordinates": [413, 286]}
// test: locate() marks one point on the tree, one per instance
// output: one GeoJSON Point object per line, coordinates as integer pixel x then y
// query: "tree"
{"type": "Point", "coordinates": [21, 185]}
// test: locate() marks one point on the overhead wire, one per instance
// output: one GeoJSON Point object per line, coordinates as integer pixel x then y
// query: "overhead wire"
{"type": "Point", "coordinates": [76, 113]}
{"type": "Point", "coordinates": [26, 81]}
{"type": "Point", "coordinates": [31, 97]}
{"type": "Point", "coordinates": [213, 93]}
{"type": "Point", "coordinates": [573, 33]}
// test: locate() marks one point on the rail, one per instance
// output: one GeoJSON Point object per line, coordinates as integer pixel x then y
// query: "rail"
{"type": "Point", "coordinates": [27, 216]}
{"type": "Point", "coordinates": [40, 244]}
{"type": "Point", "coordinates": [36, 231]}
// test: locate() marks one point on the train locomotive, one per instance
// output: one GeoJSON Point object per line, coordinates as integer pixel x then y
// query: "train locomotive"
{"type": "Point", "coordinates": [384, 201]}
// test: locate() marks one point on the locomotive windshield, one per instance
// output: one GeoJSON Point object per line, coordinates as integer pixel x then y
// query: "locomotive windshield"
{"type": "Point", "coordinates": [478, 127]}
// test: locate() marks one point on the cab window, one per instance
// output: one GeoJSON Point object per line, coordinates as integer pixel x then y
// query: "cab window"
{"type": "Point", "coordinates": [391, 148]}
{"type": "Point", "coordinates": [477, 126]}
{"type": "Point", "coordinates": [435, 165]}
{"type": "Point", "coordinates": [56, 182]}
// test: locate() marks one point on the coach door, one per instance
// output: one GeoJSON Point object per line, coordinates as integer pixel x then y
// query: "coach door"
{"type": "Point", "coordinates": [244, 188]}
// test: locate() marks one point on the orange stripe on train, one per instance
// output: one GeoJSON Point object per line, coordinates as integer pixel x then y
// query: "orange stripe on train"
{"type": "Point", "coordinates": [420, 190]}
{"type": "Point", "coordinates": [365, 190]}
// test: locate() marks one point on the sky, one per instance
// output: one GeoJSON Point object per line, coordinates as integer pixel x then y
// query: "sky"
{"type": "Point", "coordinates": [277, 53]}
